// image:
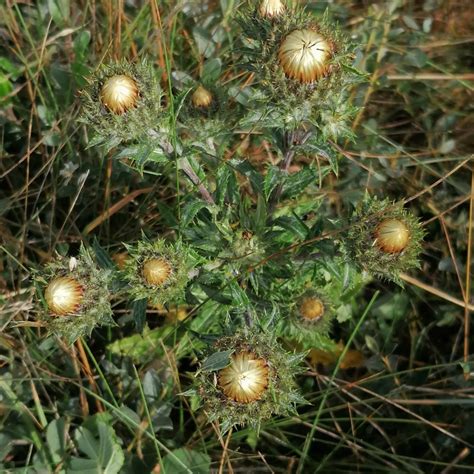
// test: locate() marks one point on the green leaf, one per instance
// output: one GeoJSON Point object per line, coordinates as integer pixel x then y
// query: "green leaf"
{"type": "Point", "coordinates": [295, 226]}
{"type": "Point", "coordinates": [5, 445]}
{"type": "Point", "coordinates": [372, 344]}
{"type": "Point", "coordinates": [217, 361]}
{"type": "Point", "coordinates": [195, 462]}
{"type": "Point", "coordinates": [102, 256]}
{"type": "Point", "coordinates": [56, 433]}
{"type": "Point", "coordinates": [344, 313]}
{"type": "Point", "coordinates": [59, 11]}
{"type": "Point", "coordinates": [204, 41]}
{"type": "Point", "coordinates": [190, 210]}
{"type": "Point", "coordinates": [152, 386]}
{"type": "Point", "coordinates": [261, 214]}
{"type": "Point", "coordinates": [416, 57]}
{"type": "Point", "coordinates": [410, 22]}
{"type": "Point", "coordinates": [81, 43]}
{"type": "Point", "coordinates": [211, 70]}
{"type": "Point", "coordinates": [102, 450]}
{"type": "Point", "coordinates": [239, 296]}
{"type": "Point", "coordinates": [271, 180]}
{"type": "Point", "coordinates": [139, 313]}
{"type": "Point", "coordinates": [296, 183]}
{"type": "Point", "coordinates": [247, 170]}
{"type": "Point", "coordinates": [5, 86]}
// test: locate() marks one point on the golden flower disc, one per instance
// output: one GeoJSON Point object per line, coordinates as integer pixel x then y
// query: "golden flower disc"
{"type": "Point", "coordinates": [64, 295]}
{"type": "Point", "coordinates": [245, 379]}
{"type": "Point", "coordinates": [201, 97]}
{"type": "Point", "coordinates": [156, 271]}
{"type": "Point", "coordinates": [392, 235]}
{"type": "Point", "coordinates": [119, 93]}
{"type": "Point", "coordinates": [271, 8]}
{"type": "Point", "coordinates": [304, 55]}
{"type": "Point", "coordinates": [311, 308]}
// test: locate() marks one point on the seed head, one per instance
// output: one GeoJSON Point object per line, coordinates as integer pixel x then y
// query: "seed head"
{"type": "Point", "coordinates": [392, 235]}
{"type": "Point", "coordinates": [119, 93]}
{"type": "Point", "coordinates": [63, 295]}
{"type": "Point", "coordinates": [245, 379]}
{"type": "Point", "coordinates": [304, 55]}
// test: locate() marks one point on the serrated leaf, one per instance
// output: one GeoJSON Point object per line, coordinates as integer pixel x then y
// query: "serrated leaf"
{"type": "Point", "coordinates": [239, 296]}
{"type": "Point", "coordinates": [296, 183]}
{"type": "Point", "coordinates": [246, 169]}
{"type": "Point", "coordinates": [344, 313]}
{"type": "Point", "coordinates": [270, 181]}
{"type": "Point", "coordinates": [295, 226]}
{"type": "Point", "coordinates": [223, 182]}
{"type": "Point", "coordinates": [190, 210]}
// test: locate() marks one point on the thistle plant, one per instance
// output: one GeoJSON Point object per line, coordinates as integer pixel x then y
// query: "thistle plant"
{"type": "Point", "coordinates": [384, 238]}
{"type": "Point", "coordinates": [157, 271]}
{"type": "Point", "coordinates": [257, 255]}
{"type": "Point", "coordinates": [247, 378]}
{"type": "Point", "coordinates": [73, 296]}
{"type": "Point", "coordinates": [123, 104]}
{"type": "Point", "coordinates": [300, 66]}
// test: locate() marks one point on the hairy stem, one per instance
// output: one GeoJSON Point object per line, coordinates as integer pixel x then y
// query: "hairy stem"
{"type": "Point", "coordinates": [194, 178]}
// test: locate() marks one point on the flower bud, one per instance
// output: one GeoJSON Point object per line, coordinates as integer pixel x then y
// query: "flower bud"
{"type": "Point", "coordinates": [201, 97]}
{"type": "Point", "coordinates": [120, 258]}
{"type": "Point", "coordinates": [311, 308]}
{"type": "Point", "coordinates": [64, 295]}
{"type": "Point", "coordinates": [119, 93]}
{"type": "Point", "coordinates": [245, 379]}
{"type": "Point", "coordinates": [392, 235]}
{"type": "Point", "coordinates": [271, 8]}
{"type": "Point", "coordinates": [157, 271]}
{"type": "Point", "coordinates": [384, 239]}
{"type": "Point", "coordinates": [304, 55]}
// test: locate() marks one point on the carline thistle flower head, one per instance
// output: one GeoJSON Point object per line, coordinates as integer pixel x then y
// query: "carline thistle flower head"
{"type": "Point", "coordinates": [307, 318]}
{"type": "Point", "coordinates": [384, 239]}
{"type": "Point", "coordinates": [76, 296]}
{"type": "Point", "coordinates": [122, 103]}
{"type": "Point", "coordinates": [119, 93]}
{"type": "Point", "coordinates": [157, 271]}
{"type": "Point", "coordinates": [64, 295]}
{"type": "Point", "coordinates": [246, 377]}
{"type": "Point", "coordinates": [255, 382]}
{"type": "Point", "coordinates": [305, 55]}
{"type": "Point", "coordinates": [271, 8]}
